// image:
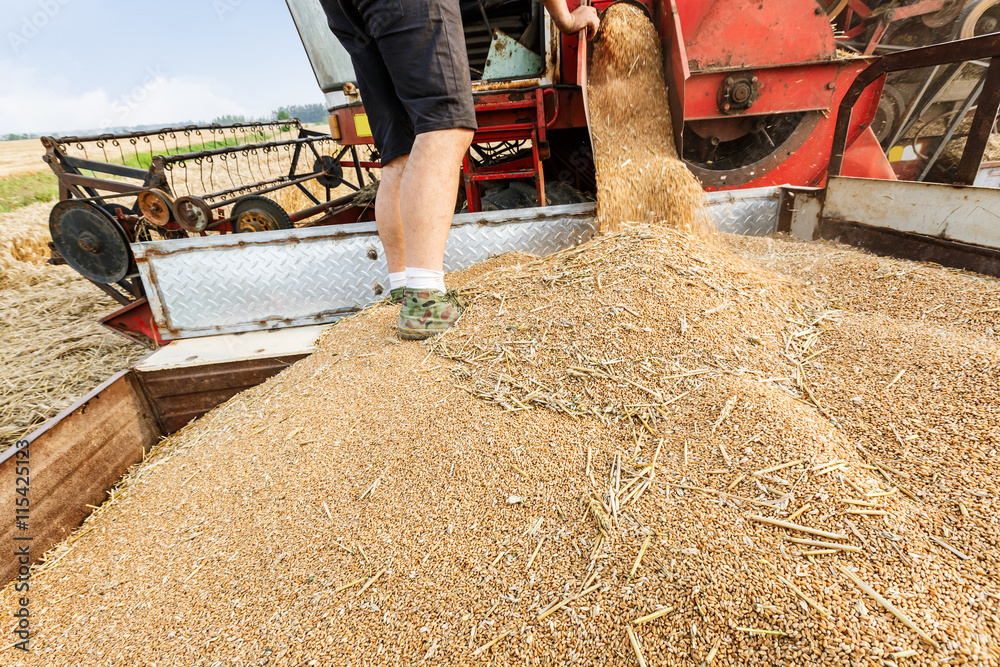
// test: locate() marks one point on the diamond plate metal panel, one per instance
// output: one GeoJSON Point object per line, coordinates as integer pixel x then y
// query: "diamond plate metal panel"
{"type": "Point", "coordinates": [268, 280]}
{"type": "Point", "coordinates": [752, 212]}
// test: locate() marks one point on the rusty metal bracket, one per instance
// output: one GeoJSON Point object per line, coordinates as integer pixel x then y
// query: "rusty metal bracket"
{"type": "Point", "coordinates": [975, 48]}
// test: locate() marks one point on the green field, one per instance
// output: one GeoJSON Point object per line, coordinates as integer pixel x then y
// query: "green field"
{"type": "Point", "coordinates": [19, 191]}
{"type": "Point", "coordinates": [145, 160]}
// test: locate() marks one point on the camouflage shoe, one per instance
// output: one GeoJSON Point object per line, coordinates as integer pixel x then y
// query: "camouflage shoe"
{"type": "Point", "coordinates": [427, 313]}
{"type": "Point", "coordinates": [396, 296]}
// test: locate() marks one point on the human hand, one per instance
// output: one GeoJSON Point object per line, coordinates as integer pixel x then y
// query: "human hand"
{"type": "Point", "coordinates": [583, 17]}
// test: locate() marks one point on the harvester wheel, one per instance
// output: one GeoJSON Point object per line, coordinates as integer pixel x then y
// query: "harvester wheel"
{"type": "Point", "coordinates": [833, 8]}
{"type": "Point", "coordinates": [90, 241]}
{"type": "Point", "coordinates": [891, 107]}
{"type": "Point", "coordinates": [254, 213]}
{"type": "Point", "coordinates": [944, 16]}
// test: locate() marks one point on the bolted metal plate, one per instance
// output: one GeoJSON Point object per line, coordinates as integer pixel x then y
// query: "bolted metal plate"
{"type": "Point", "coordinates": [204, 286]}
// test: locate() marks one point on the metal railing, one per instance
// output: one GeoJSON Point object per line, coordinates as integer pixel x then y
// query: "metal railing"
{"type": "Point", "coordinates": [986, 47]}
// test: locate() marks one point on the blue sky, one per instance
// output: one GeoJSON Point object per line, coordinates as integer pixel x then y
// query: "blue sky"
{"type": "Point", "coordinates": [70, 65]}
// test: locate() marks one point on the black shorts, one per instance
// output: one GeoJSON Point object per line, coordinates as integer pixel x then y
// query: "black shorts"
{"type": "Point", "coordinates": [411, 64]}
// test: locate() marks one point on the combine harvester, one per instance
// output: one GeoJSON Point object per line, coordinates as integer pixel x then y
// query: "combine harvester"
{"type": "Point", "coordinates": [786, 128]}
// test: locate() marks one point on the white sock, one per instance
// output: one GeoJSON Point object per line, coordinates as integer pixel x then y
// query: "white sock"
{"type": "Point", "coordinates": [424, 279]}
{"type": "Point", "coordinates": [397, 280]}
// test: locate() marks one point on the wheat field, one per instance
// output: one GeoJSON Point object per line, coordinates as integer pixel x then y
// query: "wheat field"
{"type": "Point", "coordinates": [18, 158]}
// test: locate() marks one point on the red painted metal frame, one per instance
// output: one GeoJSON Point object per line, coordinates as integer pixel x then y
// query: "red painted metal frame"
{"type": "Point", "coordinates": [785, 43]}
{"type": "Point", "coordinates": [786, 89]}
{"type": "Point", "coordinates": [740, 34]}
{"type": "Point", "coordinates": [135, 322]}
{"type": "Point", "coordinates": [531, 123]}
{"type": "Point", "coordinates": [800, 73]}
{"type": "Point", "coordinates": [506, 115]}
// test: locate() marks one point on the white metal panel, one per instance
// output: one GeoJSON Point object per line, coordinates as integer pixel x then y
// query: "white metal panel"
{"type": "Point", "coordinates": [329, 59]}
{"type": "Point", "coordinates": [747, 212]}
{"type": "Point", "coordinates": [958, 213]}
{"type": "Point", "coordinates": [233, 347]}
{"type": "Point", "coordinates": [988, 176]}
{"type": "Point", "coordinates": [806, 210]}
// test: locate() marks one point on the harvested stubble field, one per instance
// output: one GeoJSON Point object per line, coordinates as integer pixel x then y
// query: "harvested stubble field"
{"type": "Point", "coordinates": [601, 428]}
{"type": "Point", "coordinates": [52, 350]}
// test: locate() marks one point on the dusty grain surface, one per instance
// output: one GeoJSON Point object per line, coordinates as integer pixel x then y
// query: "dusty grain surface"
{"type": "Point", "coordinates": [590, 403]}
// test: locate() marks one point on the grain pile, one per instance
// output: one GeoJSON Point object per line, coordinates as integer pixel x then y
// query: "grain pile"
{"type": "Point", "coordinates": [639, 175]}
{"type": "Point", "coordinates": [588, 468]}
{"type": "Point", "coordinates": [52, 350]}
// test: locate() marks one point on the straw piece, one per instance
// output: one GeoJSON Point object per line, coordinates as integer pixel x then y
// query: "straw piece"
{"type": "Point", "coordinates": [888, 605]}
{"type": "Point", "coordinates": [756, 631]}
{"type": "Point", "coordinates": [352, 584]}
{"type": "Point", "coordinates": [371, 581]}
{"type": "Point", "coordinates": [735, 482]}
{"type": "Point", "coordinates": [815, 605]}
{"type": "Point", "coordinates": [802, 529]}
{"type": "Point", "coordinates": [638, 558]}
{"type": "Point", "coordinates": [950, 548]}
{"type": "Point", "coordinates": [897, 473]}
{"type": "Point", "coordinates": [725, 454]}
{"type": "Point", "coordinates": [486, 647]}
{"type": "Point", "coordinates": [836, 466]}
{"type": "Point", "coordinates": [559, 605]}
{"type": "Point", "coordinates": [781, 466]}
{"type": "Point", "coordinates": [533, 554]}
{"type": "Point", "coordinates": [634, 641]}
{"type": "Point", "coordinates": [823, 545]}
{"type": "Point", "coordinates": [894, 380]}
{"type": "Point", "coordinates": [655, 615]}
{"type": "Point", "coordinates": [799, 511]}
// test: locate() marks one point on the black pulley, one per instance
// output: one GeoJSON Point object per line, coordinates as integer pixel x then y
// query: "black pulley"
{"type": "Point", "coordinates": [254, 213]}
{"type": "Point", "coordinates": [90, 241]}
{"type": "Point", "coordinates": [333, 172]}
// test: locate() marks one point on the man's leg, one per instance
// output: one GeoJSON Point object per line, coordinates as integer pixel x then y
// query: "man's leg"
{"type": "Point", "coordinates": [427, 195]}
{"type": "Point", "coordinates": [427, 202]}
{"type": "Point", "coordinates": [387, 215]}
